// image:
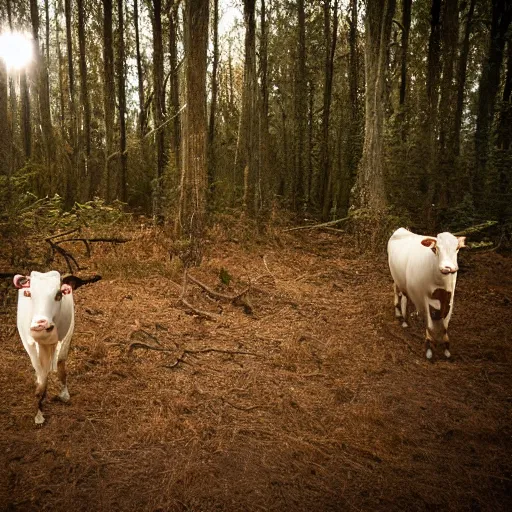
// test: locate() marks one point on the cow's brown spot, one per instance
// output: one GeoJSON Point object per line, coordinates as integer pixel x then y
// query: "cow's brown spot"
{"type": "Point", "coordinates": [444, 298]}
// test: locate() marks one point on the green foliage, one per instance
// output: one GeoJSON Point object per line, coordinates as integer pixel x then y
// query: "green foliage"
{"type": "Point", "coordinates": [225, 276]}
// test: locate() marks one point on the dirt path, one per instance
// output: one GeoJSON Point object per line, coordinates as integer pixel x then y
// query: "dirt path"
{"type": "Point", "coordinates": [316, 401]}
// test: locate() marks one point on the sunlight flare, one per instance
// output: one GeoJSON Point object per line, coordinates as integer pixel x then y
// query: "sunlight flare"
{"type": "Point", "coordinates": [16, 49]}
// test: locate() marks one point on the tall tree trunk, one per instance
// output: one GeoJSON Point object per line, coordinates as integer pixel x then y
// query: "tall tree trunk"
{"type": "Point", "coordinates": [406, 27]}
{"type": "Point", "coordinates": [72, 178]}
{"type": "Point", "coordinates": [158, 85]}
{"type": "Point", "coordinates": [121, 85]}
{"type": "Point", "coordinates": [26, 123]}
{"type": "Point", "coordinates": [330, 38]}
{"type": "Point", "coordinates": [352, 152]}
{"type": "Point", "coordinates": [430, 127]}
{"type": "Point", "coordinates": [214, 93]}
{"type": "Point", "coordinates": [175, 85]}
{"type": "Point", "coordinates": [369, 189]}
{"type": "Point", "coordinates": [461, 78]}
{"type": "Point", "coordinates": [191, 220]}
{"type": "Point", "coordinates": [109, 97]}
{"type": "Point", "coordinates": [264, 106]}
{"type": "Point", "coordinates": [43, 97]}
{"type": "Point", "coordinates": [5, 147]}
{"type": "Point", "coordinates": [446, 160]}
{"type": "Point", "coordinates": [249, 113]}
{"type": "Point", "coordinates": [300, 109]}
{"type": "Point", "coordinates": [140, 75]}
{"type": "Point", "coordinates": [84, 100]}
{"type": "Point", "coordinates": [60, 63]}
{"type": "Point", "coordinates": [488, 90]}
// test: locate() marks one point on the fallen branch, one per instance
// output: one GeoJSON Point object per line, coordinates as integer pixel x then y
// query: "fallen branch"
{"type": "Point", "coordinates": [237, 299]}
{"type": "Point", "coordinates": [200, 312]}
{"type": "Point", "coordinates": [185, 352]}
{"type": "Point", "coordinates": [217, 295]}
{"type": "Point", "coordinates": [476, 229]}
{"type": "Point", "coordinates": [316, 226]}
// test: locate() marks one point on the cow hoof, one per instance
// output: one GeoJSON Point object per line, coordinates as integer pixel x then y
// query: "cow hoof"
{"type": "Point", "coordinates": [64, 395]}
{"type": "Point", "coordinates": [39, 419]}
{"type": "Point", "coordinates": [447, 354]}
{"type": "Point", "coordinates": [405, 324]}
{"type": "Point", "coordinates": [429, 354]}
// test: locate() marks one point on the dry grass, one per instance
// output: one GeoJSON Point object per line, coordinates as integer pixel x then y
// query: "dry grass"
{"type": "Point", "coordinates": [317, 401]}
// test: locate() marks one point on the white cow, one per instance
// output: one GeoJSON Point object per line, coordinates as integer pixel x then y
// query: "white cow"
{"type": "Point", "coordinates": [424, 270]}
{"type": "Point", "coordinates": [46, 323]}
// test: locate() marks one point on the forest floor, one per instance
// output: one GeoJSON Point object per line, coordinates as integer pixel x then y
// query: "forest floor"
{"type": "Point", "coordinates": [307, 396]}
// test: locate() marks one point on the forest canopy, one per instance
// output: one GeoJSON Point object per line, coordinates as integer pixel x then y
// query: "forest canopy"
{"type": "Point", "coordinates": [180, 109]}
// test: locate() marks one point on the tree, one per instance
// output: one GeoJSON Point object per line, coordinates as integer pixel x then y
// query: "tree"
{"type": "Point", "coordinates": [488, 91]}
{"type": "Point", "coordinates": [191, 218]}
{"type": "Point", "coordinates": [369, 189]}
{"type": "Point", "coordinates": [122, 187]}
{"type": "Point", "coordinates": [84, 96]}
{"type": "Point", "coordinates": [214, 93]}
{"type": "Point", "coordinates": [330, 48]}
{"type": "Point", "coordinates": [248, 136]}
{"type": "Point", "coordinates": [109, 96]}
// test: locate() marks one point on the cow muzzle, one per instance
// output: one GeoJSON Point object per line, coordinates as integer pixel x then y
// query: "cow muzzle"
{"type": "Point", "coordinates": [42, 325]}
{"type": "Point", "coordinates": [448, 270]}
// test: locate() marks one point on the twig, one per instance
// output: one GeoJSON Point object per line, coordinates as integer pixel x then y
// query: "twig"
{"type": "Point", "coordinates": [315, 226]}
{"type": "Point", "coordinates": [217, 295]}
{"type": "Point", "coordinates": [205, 314]}
{"type": "Point", "coordinates": [185, 352]}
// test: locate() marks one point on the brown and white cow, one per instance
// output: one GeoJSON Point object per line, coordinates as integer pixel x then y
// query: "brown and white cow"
{"type": "Point", "coordinates": [424, 271]}
{"type": "Point", "coordinates": [46, 321]}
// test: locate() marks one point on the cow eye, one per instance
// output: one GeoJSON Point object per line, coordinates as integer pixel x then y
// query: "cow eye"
{"type": "Point", "coordinates": [26, 293]}
{"type": "Point", "coordinates": [434, 249]}
{"type": "Point", "coordinates": [58, 296]}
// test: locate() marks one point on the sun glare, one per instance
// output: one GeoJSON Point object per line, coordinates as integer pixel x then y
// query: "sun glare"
{"type": "Point", "coordinates": [16, 49]}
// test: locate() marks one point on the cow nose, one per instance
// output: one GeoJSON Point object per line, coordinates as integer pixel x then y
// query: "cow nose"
{"type": "Point", "coordinates": [40, 324]}
{"type": "Point", "coordinates": [447, 269]}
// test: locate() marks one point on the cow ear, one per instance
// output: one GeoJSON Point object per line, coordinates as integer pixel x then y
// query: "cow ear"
{"type": "Point", "coordinates": [72, 281]}
{"type": "Point", "coordinates": [75, 282]}
{"type": "Point", "coordinates": [462, 242]}
{"type": "Point", "coordinates": [429, 242]}
{"type": "Point", "coordinates": [20, 281]}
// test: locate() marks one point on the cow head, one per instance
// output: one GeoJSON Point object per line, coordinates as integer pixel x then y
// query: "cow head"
{"type": "Point", "coordinates": [445, 247]}
{"type": "Point", "coordinates": [46, 291]}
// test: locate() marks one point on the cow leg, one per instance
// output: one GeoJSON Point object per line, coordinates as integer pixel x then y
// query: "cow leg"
{"type": "Point", "coordinates": [396, 294]}
{"type": "Point", "coordinates": [42, 381]}
{"type": "Point", "coordinates": [404, 310]}
{"type": "Point", "coordinates": [400, 301]}
{"type": "Point", "coordinates": [428, 344]}
{"type": "Point", "coordinates": [61, 374]}
{"type": "Point", "coordinates": [446, 341]}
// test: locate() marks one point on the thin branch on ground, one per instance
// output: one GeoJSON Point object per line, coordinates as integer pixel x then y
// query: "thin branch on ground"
{"type": "Point", "coordinates": [316, 226]}
{"type": "Point", "coordinates": [185, 352]}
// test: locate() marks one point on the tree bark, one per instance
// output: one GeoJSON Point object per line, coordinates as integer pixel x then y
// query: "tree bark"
{"type": "Point", "coordinates": [84, 100]}
{"type": "Point", "coordinates": [121, 84]}
{"type": "Point", "coordinates": [406, 27]}
{"type": "Point", "coordinates": [140, 75]}
{"type": "Point", "coordinates": [461, 78]}
{"type": "Point", "coordinates": [109, 97]}
{"type": "Point", "coordinates": [369, 190]}
{"type": "Point", "coordinates": [264, 106]}
{"type": "Point", "coordinates": [330, 48]}
{"type": "Point", "coordinates": [488, 91]}
{"type": "Point", "coordinates": [214, 93]}
{"type": "Point", "coordinates": [191, 219]}
{"type": "Point", "coordinates": [249, 114]}
{"type": "Point", "coordinates": [72, 177]}
{"type": "Point", "coordinates": [158, 86]}
{"type": "Point", "coordinates": [298, 196]}
{"type": "Point", "coordinates": [175, 85]}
